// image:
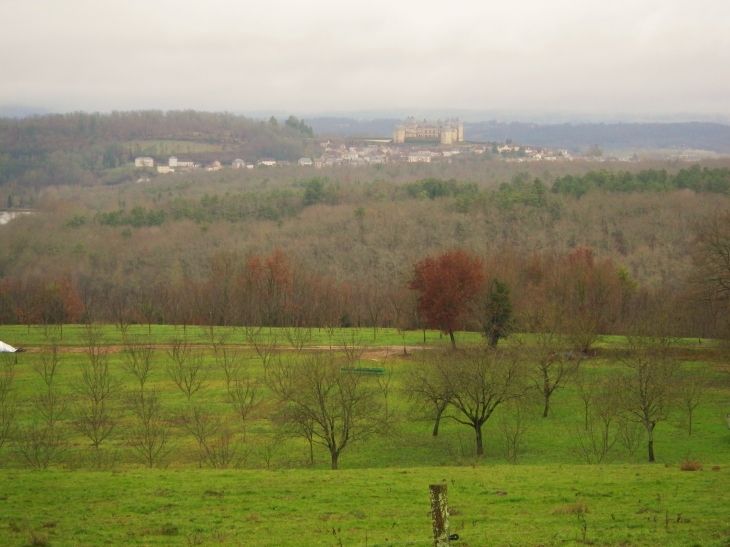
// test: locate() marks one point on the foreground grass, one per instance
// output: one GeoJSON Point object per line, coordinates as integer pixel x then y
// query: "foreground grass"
{"type": "Point", "coordinates": [499, 505]}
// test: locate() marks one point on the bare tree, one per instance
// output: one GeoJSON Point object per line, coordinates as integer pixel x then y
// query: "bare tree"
{"type": "Point", "coordinates": [514, 421]}
{"type": "Point", "coordinates": [601, 431]}
{"type": "Point", "coordinates": [587, 392]}
{"type": "Point", "coordinates": [244, 395]}
{"type": "Point", "coordinates": [94, 414]}
{"type": "Point", "coordinates": [43, 442]}
{"type": "Point", "coordinates": [646, 388]}
{"type": "Point", "coordinates": [298, 336]}
{"type": "Point", "coordinates": [186, 368]}
{"type": "Point", "coordinates": [479, 382]}
{"type": "Point", "coordinates": [427, 388]}
{"type": "Point", "coordinates": [552, 367]}
{"type": "Point", "coordinates": [138, 359]}
{"type": "Point", "coordinates": [39, 446]}
{"type": "Point", "coordinates": [552, 361]}
{"type": "Point", "coordinates": [218, 447]}
{"type": "Point", "coordinates": [150, 437]}
{"type": "Point", "coordinates": [334, 407]}
{"type": "Point", "coordinates": [266, 346]}
{"type": "Point", "coordinates": [691, 390]}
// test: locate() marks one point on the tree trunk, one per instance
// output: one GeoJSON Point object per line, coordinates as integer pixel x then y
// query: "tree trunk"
{"type": "Point", "coordinates": [650, 431]}
{"type": "Point", "coordinates": [480, 444]}
{"type": "Point", "coordinates": [546, 393]}
{"type": "Point", "coordinates": [335, 457]}
{"type": "Point", "coordinates": [453, 340]}
{"type": "Point", "coordinates": [437, 422]}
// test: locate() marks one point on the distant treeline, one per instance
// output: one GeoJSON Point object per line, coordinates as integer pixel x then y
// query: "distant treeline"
{"type": "Point", "coordinates": [650, 180]}
{"type": "Point", "coordinates": [81, 148]}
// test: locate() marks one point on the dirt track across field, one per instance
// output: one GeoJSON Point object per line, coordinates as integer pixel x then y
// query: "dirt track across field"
{"type": "Point", "coordinates": [378, 353]}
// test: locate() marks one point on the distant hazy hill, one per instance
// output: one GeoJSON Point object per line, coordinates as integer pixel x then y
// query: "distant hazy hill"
{"type": "Point", "coordinates": [351, 127]}
{"type": "Point", "coordinates": [15, 111]}
{"type": "Point", "coordinates": [694, 135]}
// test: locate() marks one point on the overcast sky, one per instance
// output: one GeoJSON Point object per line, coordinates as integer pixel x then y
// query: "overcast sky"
{"type": "Point", "coordinates": [602, 58]}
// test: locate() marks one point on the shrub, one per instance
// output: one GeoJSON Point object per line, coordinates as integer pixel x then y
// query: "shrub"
{"type": "Point", "coordinates": [691, 465]}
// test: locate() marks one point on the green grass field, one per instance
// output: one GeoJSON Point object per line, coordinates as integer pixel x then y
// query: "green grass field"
{"type": "Point", "coordinates": [380, 494]}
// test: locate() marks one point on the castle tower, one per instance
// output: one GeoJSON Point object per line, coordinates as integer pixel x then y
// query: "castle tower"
{"type": "Point", "coordinates": [447, 136]}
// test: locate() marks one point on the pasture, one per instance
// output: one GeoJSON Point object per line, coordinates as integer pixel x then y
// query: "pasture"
{"type": "Point", "coordinates": [276, 492]}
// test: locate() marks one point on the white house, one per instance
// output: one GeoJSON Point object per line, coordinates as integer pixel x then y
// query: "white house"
{"type": "Point", "coordinates": [172, 161]}
{"type": "Point", "coordinates": [305, 161]}
{"type": "Point", "coordinates": [419, 157]}
{"type": "Point", "coordinates": [238, 164]}
{"type": "Point", "coordinates": [266, 161]}
{"type": "Point", "coordinates": [165, 169]}
{"type": "Point", "coordinates": [144, 162]}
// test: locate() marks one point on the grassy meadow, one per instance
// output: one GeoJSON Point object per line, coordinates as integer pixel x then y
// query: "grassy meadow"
{"type": "Point", "coordinates": [379, 496]}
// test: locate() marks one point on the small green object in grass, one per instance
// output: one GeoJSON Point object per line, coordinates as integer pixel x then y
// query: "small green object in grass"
{"type": "Point", "coordinates": [364, 370]}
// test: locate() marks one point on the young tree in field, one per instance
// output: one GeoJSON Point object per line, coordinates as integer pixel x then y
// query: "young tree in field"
{"type": "Point", "coordinates": [447, 287]}
{"type": "Point", "coordinates": [150, 436]}
{"type": "Point", "coordinates": [185, 367]}
{"type": "Point", "coordinates": [514, 421]}
{"type": "Point", "coordinates": [552, 363]}
{"type": "Point", "coordinates": [587, 392]}
{"type": "Point", "coordinates": [43, 442]}
{"type": "Point", "coordinates": [49, 403]}
{"type": "Point", "coordinates": [691, 393]}
{"type": "Point", "coordinates": [601, 431]}
{"type": "Point", "coordinates": [138, 360]}
{"type": "Point", "coordinates": [218, 446]}
{"type": "Point", "coordinates": [646, 388]}
{"type": "Point", "coordinates": [428, 390]}
{"type": "Point", "coordinates": [481, 381]}
{"type": "Point", "coordinates": [332, 407]}
{"type": "Point", "coordinates": [94, 415]}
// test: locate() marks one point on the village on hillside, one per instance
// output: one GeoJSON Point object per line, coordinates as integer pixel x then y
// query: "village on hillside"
{"type": "Point", "coordinates": [412, 142]}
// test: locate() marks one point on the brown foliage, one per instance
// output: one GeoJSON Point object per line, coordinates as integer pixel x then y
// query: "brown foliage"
{"type": "Point", "coordinates": [447, 286]}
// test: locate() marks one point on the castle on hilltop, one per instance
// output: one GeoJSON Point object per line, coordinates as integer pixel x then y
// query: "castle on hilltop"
{"type": "Point", "coordinates": [446, 132]}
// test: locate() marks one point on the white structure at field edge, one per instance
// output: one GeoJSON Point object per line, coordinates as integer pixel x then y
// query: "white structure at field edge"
{"type": "Point", "coordinates": [446, 132]}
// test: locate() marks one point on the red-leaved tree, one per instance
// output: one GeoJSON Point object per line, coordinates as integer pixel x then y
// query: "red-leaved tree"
{"type": "Point", "coordinates": [447, 286]}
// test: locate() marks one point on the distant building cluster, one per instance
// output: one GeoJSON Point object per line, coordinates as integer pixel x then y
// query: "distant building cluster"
{"type": "Point", "coordinates": [445, 132]}
{"type": "Point", "coordinates": [382, 151]}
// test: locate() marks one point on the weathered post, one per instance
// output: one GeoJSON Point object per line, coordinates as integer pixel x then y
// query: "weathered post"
{"type": "Point", "coordinates": [439, 515]}
{"type": "Point", "coordinates": [728, 421]}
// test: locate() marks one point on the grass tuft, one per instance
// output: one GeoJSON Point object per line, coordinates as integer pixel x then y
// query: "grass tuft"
{"type": "Point", "coordinates": [169, 530]}
{"type": "Point", "coordinates": [691, 465]}
{"type": "Point", "coordinates": [38, 540]}
{"type": "Point", "coordinates": [577, 508]}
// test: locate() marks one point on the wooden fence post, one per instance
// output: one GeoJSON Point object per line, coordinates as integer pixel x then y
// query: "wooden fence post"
{"type": "Point", "coordinates": [439, 515]}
